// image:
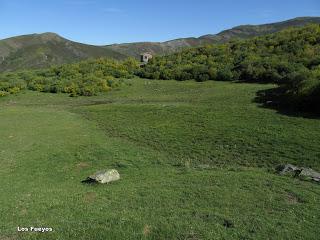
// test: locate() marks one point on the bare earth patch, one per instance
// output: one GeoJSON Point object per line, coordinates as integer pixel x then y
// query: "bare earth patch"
{"type": "Point", "coordinates": [8, 238]}
{"type": "Point", "coordinates": [293, 198]}
{"type": "Point", "coordinates": [82, 165]}
{"type": "Point", "coordinates": [146, 230]}
{"type": "Point", "coordinates": [89, 197]}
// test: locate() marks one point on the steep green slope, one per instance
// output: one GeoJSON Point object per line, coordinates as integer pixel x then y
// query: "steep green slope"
{"type": "Point", "coordinates": [244, 31]}
{"type": "Point", "coordinates": [248, 31]}
{"type": "Point", "coordinates": [43, 50]}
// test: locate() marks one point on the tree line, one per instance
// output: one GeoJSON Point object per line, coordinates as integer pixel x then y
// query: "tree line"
{"type": "Point", "coordinates": [290, 58]}
{"type": "Point", "coordinates": [85, 78]}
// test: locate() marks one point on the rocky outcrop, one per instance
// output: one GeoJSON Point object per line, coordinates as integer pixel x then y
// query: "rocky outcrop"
{"type": "Point", "coordinates": [301, 172]}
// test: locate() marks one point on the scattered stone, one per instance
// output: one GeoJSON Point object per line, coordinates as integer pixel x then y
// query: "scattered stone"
{"type": "Point", "coordinates": [301, 172]}
{"type": "Point", "coordinates": [104, 176]}
{"type": "Point", "coordinates": [287, 169]}
{"type": "Point", "coordinates": [310, 173]}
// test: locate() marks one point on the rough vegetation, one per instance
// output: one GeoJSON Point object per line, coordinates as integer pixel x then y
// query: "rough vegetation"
{"type": "Point", "coordinates": [239, 32]}
{"type": "Point", "coordinates": [84, 78]}
{"type": "Point", "coordinates": [289, 58]}
{"type": "Point", "coordinates": [44, 50]}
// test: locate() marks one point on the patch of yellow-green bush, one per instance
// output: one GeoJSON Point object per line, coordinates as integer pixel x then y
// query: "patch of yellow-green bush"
{"type": "Point", "coordinates": [3, 93]}
{"type": "Point", "coordinates": [86, 78]}
{"type": "Point", "coordinates": [14, 90]}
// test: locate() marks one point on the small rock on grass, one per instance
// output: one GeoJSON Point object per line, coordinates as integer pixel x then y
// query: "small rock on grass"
{"type": "Point", "coordinates": [103, 176]}
{"type": "Point", "coordinates": [301, 172]}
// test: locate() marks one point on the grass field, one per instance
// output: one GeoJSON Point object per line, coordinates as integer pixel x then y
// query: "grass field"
{"type": "Point", "coordinates": [195, 159]}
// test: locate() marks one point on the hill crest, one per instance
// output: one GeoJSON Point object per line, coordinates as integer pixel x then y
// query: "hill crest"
{"type": "Point", "coordinates": [44, 49]}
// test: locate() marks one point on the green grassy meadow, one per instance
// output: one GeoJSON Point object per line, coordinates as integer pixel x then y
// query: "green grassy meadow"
{"type": "Point", "coordinates": [196, 162]}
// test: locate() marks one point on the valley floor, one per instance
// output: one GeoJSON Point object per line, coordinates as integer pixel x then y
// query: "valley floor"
{"type": "Point", "coordinates": [195, 160]}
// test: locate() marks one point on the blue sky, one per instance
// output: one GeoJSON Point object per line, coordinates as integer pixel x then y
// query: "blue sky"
{"type": "Point", "coordinates": [116, 21]}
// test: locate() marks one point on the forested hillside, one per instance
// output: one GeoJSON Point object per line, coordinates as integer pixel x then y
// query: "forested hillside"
{"type": "Point", "coordinates": [238, 32]}
{"type": "Point", "coordinates": [290, 58]}
{"type": "Point", "coordinates": [36, 51]}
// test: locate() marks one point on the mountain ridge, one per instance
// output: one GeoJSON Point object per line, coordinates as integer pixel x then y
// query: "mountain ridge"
{"type": "Point", "coordinates": [45, 49]}
{"type": "Point", "coordinates": [241, 31]}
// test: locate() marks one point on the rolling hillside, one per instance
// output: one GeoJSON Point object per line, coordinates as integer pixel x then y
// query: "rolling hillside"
{"type": "Point", "coordinates": [43, 50]}
{"type": "Point", "coordinates": [243, 31]}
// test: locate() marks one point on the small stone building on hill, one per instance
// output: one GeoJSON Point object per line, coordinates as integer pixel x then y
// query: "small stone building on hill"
{"type": "Point", "coordinates": [145, 57]}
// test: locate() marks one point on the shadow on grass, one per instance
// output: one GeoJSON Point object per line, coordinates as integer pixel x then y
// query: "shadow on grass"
{"type": "Point", "coordinates": [275, 98]}
{"type": "Point", "coordinates": [89, 181]}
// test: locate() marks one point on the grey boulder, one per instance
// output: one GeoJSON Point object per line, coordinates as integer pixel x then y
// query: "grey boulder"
{"type": "Point", "coordinates": [301, 172]}
{"type": "Point", "coordinates": [103, 176]}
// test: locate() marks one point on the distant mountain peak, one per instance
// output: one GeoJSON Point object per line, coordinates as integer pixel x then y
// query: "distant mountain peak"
{"type": "Point", "coordinates": [40, 50]}
{"type": "Point", "coordinates": [50, 36]}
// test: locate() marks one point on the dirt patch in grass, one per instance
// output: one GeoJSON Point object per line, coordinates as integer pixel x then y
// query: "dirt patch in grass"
{"type": "Point", "coordinates": [293, 198]}
{"type": "Point", "coordinates": [89, 197]}
{"type": "Point", "coordinates": [82, 165]}
{"type": "Point", "coordinates": [8, 238]}
{"type": "Point", "coordinates": [146, 230]}
{"type": "Point", "coordinates": [23, 212]}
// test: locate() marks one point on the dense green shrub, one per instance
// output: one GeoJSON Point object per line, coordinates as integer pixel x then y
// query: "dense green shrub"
{"type": "Point", "coordinates": [85, 78]}
{"type": "Point", "coordinates": [3, 93]}
{"type": "Point", "coordinates": [290, 58]}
